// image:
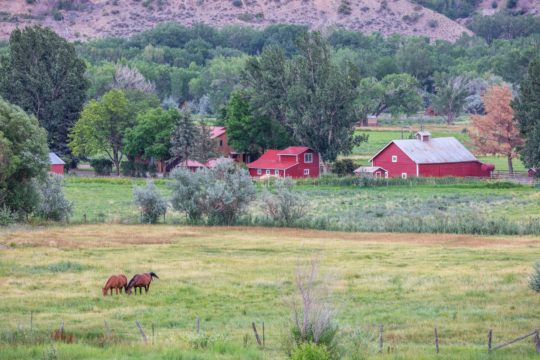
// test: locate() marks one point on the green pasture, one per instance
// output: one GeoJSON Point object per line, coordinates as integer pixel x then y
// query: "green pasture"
{"type": "Point", "coordinates": [230, 277]}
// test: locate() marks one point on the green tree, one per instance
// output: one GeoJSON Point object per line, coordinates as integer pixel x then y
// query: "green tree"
{"type": "Point", "coordinates": [43, 75]}
{"type": "Point", "coordinates": [101, 128]}
{"type": "Point", "coordinates": [23, 158]}
{"type": "Point", "coordinates": [151, 135]}
{"type": "Point", "coordinates": [451, 95]}
{"type": "Point", "coordinates": [396, 94]}
{"type": "Point", "coordinates": [527, 112]}
{"type": "Point", "coordinates": [415, 58]}
{"type": "Point", "coordinates": [249, 133]}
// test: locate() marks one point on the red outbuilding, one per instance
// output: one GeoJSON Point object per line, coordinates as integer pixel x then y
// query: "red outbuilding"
{"type": "Point", "coordinates": [56, 165]}
{"type": "Point", "coordinates": [427, 156]}
{"type": "Point", "coordinates": [294, 161]}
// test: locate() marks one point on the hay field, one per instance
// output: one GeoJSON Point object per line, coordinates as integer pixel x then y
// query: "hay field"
{"type": "Point", "coordinates": [230, 277]}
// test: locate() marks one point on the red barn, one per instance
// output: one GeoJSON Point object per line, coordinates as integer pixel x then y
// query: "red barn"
{"type": "Point", "coordinates": [427, 156]}
{"type": "Point", "coordinates": [294, 161]}
{"type": "Point", "coordinates": [220, 134]}
{"type": "Point", "coordinates": [56, 165]}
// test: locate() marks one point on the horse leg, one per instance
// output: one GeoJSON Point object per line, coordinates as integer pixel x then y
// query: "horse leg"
{"type": "Point", "coordinates": [116, 291]}
{"type": "Point", "coordinates": [146, 289]}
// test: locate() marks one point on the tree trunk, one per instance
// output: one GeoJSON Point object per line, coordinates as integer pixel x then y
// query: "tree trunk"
{"type": "Point", "coordinates": [510, 165]}
{"type": "Point", "coordinates": [450, 118]}
{"type": "Point", "coordinates": [324, 167]}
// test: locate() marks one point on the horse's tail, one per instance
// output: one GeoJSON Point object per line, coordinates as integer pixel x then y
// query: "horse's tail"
{"type": "Point", "coordinates": [153, 274]}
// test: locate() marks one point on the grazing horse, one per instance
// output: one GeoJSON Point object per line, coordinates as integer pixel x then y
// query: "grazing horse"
{"type": "Point", "coordinates": [140, 281]}
{"type": "Point", "coordinates": [116, 282]}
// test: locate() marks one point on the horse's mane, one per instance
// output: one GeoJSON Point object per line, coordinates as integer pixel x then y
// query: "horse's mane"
{"type": "Point", "coordinates": [130, 284]}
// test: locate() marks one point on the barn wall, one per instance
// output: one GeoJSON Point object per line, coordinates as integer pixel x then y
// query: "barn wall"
{"type": "Point", "coordinates": [404, 164]}
{"type": "Point", "coordinates": [223, 145]}
{"type": "Point", "coordinates": [297, 171]}
{"type": "Point", "coordinates": [472, 168]}
{"type": "Point", "coordinates": [57, 169]}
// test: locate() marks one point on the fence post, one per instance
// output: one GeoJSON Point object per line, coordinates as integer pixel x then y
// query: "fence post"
{"type": "Point", "coordinates": [84, 217]}
{"type": "Point", "coordinates": [381, 330]}
{"type": "Point", "coordinates": [490, 336]}
{"type": "Point", "coordinates": [198, 325]}
{"type": "Point", "coordinates": [107, 329]}
{"type": "Point", "coordinates": [62, 328]}
{"type": "Point", "coordinates": [436, 341]}
{"type": "Point", "coordinates": [141, 331]}
{"type": "Point", "coordinates": [264, 344]}
{"type": "Point", "coordinates": [153, 333]}
{"type": "Point", "coordinates": [256, 334]}
{"type": "Point", "coordinates": [537, 341]}
{"type": "Point", "coordinates": [31, 318]}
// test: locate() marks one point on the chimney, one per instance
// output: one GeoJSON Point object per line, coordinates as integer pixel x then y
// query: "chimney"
{"type": "Point", "coordinates": [423, 136]}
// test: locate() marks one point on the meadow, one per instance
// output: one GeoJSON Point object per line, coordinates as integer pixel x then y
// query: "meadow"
{"type": "Point", "coordinates": [229, 277]}
{"type": "Point", "coordinates": [433, 207]}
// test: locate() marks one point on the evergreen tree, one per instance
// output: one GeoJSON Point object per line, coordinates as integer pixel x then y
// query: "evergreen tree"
{"type": "Point", "coordinates": [43, 75]}
{"type": "Point", "coordinates": [184, 137]}
{"type": "Point", "coordinates": [527, 112]}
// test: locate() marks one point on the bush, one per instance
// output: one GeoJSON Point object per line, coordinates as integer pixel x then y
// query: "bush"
{"type": "Point", "coordinates": [534, 280]}
{"type": "Point", "coordinates": [345, 7]}
{"type": "Point", "coordinates": [221, 194]}
{"type": "Point", "coordinates": [432, 23]}
{"type": "Point", "coordinates": [134, 169]}
{"type": "Point", "coordinates": [102, 166]}
{"type": "Point", "coordinates": [150, 202]}
{"type": "Point", "coordinates": [511, 4]}
{"type": "Point", "coordinates": [7, 216]}
{"type": "Point", "coordinates": [285, 206]}
{"type": "Point", "coordinates": [343, 167]}
{"type": "Point", "coordinates": [237, 3]}
{"type": "Point", "coordinates": [57, 15]}
{"type": "Point", "coordinates": [310, 351]}
{"type": "Point", "coordinates": [53, 204]}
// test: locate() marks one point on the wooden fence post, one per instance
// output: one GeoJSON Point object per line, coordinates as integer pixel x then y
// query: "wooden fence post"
{"type": "Point", "coordinates": [31, 318]}
{"type": "Point", "coordinates": [153, 333]}
{"type": "Point", "coordinates": [141, 331]}
{"type": "Point", "coordinates": [84, 217]}
{"type": "Point", "coordinates": [490, 337]}
{"type": "Point", "coordinates": [264, 342]}
{"type": "Point", "coordinates": [107, 330]}
{"type": "Point", "coordinates": [62, 328]}
{"type": "Point", "coordinates": [256, 334]}
{"type": "Point", "coordinates": [436, 341]}
{"type": "Point", "coordinates": [198, 325]}
{"type": "Point", "coordinates": [537, 341]}
{"type": "Point", "coordinates": [381, 330]}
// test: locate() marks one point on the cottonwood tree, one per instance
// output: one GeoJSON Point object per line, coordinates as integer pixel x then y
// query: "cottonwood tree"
{"type": "Point", "coordinates": [527, 112]}
{"type": "Point", "coordinates": [23, 158]}
{"type": "Point", "coordinates": [451, 94]}
{"type": "Point", "coordinates": [43, 75]}
{"type": "Point", "coordinates": [497, 132]}
{"type": "Point", "coordinates": [101, 128]}
{"type": "Point", "coordinates": [127, 78]}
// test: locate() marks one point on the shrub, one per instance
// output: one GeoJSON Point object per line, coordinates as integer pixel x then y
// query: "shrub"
{"type": "Point", "coordinates": [134, 169]}
{"type": "Point", "coordinates": [53, 205]}
{"type": "Point", "coordinates": [150, 202]}
{"type": "Point", "coordinates": [494, 4]}
{"type": "Point", "coordinates": [432, 23]}
{"type": "Point", "coordinates": [345, 7]}
{"type": "Point", "coordinates": [534, 279]}
{"type": "Point", "coordinates": [7, 216]}
{"type": "Point", "coordinates": [221, 193]}
{"type": "Point", "coordinates": [310, 351]}
{"type": "Point", "coordinates": [511, 4]}
{"type": "Point", "coordinates": [102, 166]}
{"type": "Point", "coordinates": [237, 3]}
{"type": "Point", "coordinates": [343, 167]}
{"type": "Point", "coordinates": [285, 206]}
{"type": "Point", "coordinates": [57, 15]}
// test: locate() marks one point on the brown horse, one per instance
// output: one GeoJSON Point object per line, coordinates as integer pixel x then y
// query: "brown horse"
{"type": "Point", "coordinates": [116, 282]}
{"type": "Point", "coordinates": [141, 281]}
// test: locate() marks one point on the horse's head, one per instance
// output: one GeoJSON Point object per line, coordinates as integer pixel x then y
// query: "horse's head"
{"type": "Point", "coordinates": [153, 274]}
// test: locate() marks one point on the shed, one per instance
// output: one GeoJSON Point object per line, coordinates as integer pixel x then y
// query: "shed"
{"type": "Point", "coordinates": [427, 156]}
{"type": "Point", "coordinates": [192, 165]}
{"type": "Point", "coordinates": [532, 172]}
{"type": "Point", "coordinates": [56, 165]}
{"type": "Point", "coordinates": [372, 171]}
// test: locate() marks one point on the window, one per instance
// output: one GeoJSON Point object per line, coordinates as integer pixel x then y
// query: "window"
{"type": "Point", "coordinates": [259, 171]}
{"type": "Point", "coordinates": [386, 175]}
{"type": "Point", "coordinates": [394, 158]}
{"type": "Point", "coordinates": [267, 171]}
{"type": "Point", "coordinates": [220, 142]}
{"type": "Point", "coordinates": [308, 158]}
{"type": "Point", "coordinates": [276, 172]}
{"type": "Point", "coordinates": [306, 171]}
{"type": "Point", "coordinates": [403, 175]}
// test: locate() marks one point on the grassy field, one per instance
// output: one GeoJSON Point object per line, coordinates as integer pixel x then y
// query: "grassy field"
{"type": "Point", "coordinates": [345, 208]}
{"type": "Point", "coordinates": [230, 277]}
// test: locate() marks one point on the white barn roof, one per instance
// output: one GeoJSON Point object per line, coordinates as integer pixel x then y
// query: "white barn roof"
{"type": "Point", "coordinates": [434, 151]}
{"type": "Point", "coordinates": [55, 160]}
{"type": "Point", "coordinates": [368, 169]}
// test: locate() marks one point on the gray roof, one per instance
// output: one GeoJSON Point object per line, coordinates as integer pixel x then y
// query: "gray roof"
{"type": "Point", "coordinates": [55, 160]}
{"type": "Point", "coordinates": [434, 151]}
{"type": "Point", "coordinates": [368, 169]}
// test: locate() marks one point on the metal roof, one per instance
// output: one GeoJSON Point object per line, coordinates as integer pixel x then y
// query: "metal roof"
{"type": "Point", "coordinates": [293, 150]}
{"type": "Point", "coordinates": [434, 151]}
{"type": "Point", "coordinates": [55, 160]}
{"type": "Point", "coordinates": [369, 169]}
{"type": "Point", "coordinates": [216, 131]}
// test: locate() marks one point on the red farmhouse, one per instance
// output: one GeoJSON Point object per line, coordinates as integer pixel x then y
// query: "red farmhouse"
{"type": "Point", "coordinates": [294, 161]}
{"type": "Point", "coordinates": [426, 156]}
{"type": "Point", "coordinates": [56, 165]}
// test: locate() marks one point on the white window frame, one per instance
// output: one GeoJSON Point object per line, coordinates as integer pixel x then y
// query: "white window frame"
{"type": "Point", "coordinates": [394, 158]}
{"type": "Point", "coordinates": [386, 175]}
{"type": "Point", "coordinates": [276, 172]}
{"type": "Point", "coordinates": [306, 172]}
{"type": "Point", "coordinates": [267, 171]}
{"type": "Point", "coordinates": [306, 161]}
{"type": "Point", "coordinates": [259, 171]}
{"type": "Point", "coordinates": [403, 175]}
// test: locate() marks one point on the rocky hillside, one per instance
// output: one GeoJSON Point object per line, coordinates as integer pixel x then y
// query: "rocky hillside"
{"type": "Point", "coordinates": [86, 19]}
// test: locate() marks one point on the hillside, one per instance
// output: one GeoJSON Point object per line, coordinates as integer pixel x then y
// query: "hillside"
{"type": "Point", "coordinates": [86, 19]}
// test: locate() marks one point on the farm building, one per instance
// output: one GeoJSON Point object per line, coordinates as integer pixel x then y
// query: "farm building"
{"type": "Point", "coordinates": [220, 134]}
{"type": "Point", "coordinates": [371, 171]}
{"type": "Point", "coordinates": [427, 156]}
{"type": "Point", "coordinates": [192, 165]}
{"type": "Point", "coordinates": [294, 161]}
{"type": "Point", "coordinates": [56, 165]}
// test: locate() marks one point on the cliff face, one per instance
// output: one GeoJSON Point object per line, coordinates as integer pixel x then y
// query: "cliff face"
{"type": "Point", "coordinates": [87, 19]}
